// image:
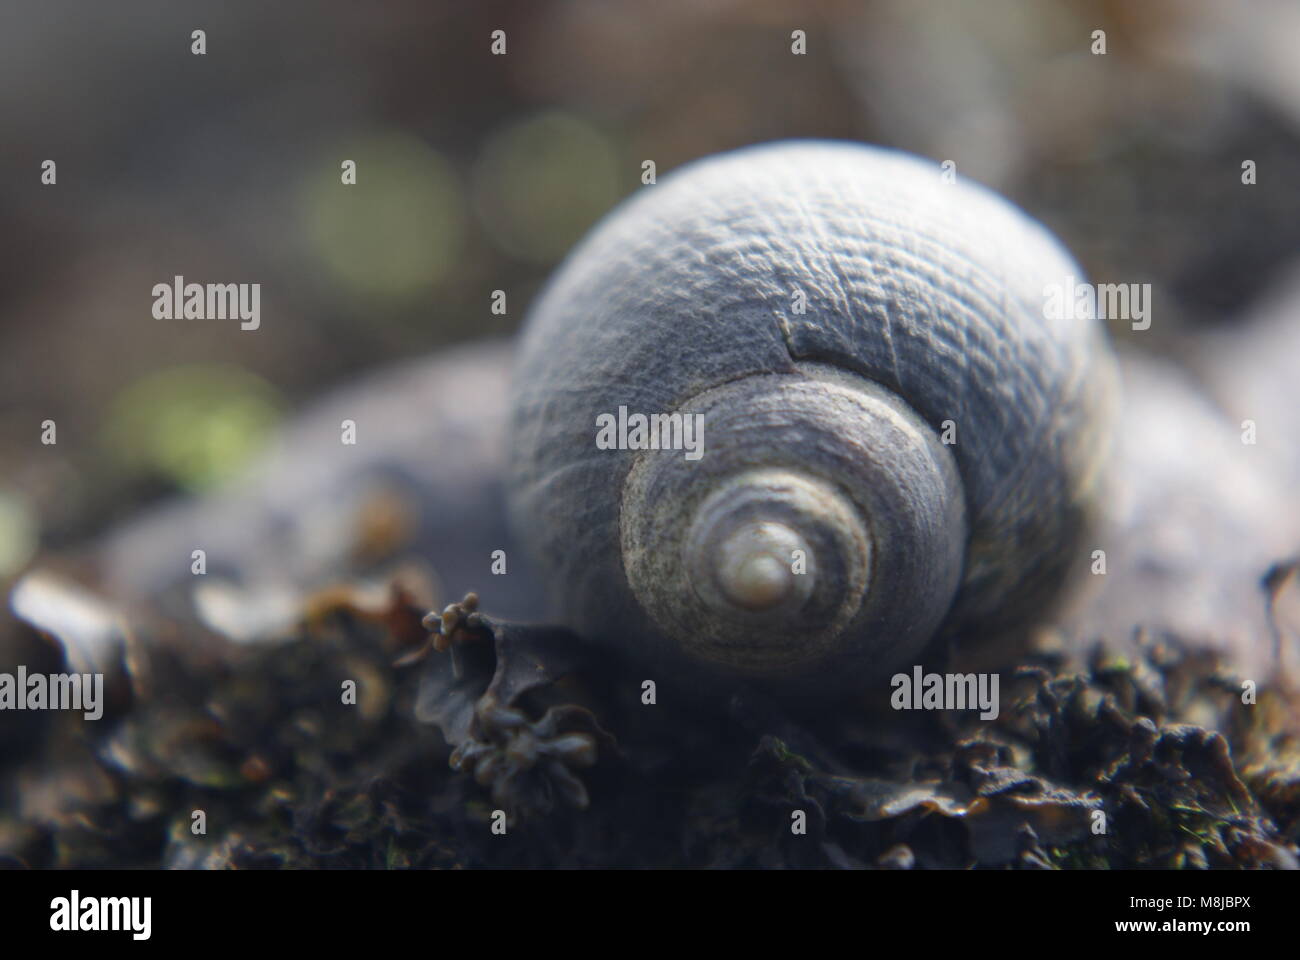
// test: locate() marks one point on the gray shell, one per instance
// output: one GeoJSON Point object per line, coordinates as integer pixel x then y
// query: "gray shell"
{"type": "Point", "coordinates": [933, 290]}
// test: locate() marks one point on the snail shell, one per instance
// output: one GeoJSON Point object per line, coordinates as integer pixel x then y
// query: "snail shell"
{"type": "Point", "coordinates": [822, 427]}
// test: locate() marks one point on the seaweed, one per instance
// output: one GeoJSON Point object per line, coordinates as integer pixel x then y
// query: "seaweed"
{"type": "Point", "coordinates": [1134, 761]}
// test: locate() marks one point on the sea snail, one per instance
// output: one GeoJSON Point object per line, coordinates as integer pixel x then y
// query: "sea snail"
{"type": "Point", "coordinates": [898, 440]}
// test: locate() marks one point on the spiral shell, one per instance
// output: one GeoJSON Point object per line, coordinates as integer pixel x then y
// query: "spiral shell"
{"type": "Point", "coordinates": [838, 316]}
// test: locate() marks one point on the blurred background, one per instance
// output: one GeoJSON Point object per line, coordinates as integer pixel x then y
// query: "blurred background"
{"type": "Point", "coordinates": [478, 172]}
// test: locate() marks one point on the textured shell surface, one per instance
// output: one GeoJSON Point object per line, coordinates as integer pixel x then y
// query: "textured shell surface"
{"type": "Point", "coordinates": [932, 290]}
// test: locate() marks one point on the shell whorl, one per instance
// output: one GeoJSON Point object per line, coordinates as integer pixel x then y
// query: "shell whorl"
{"type": "Point", "coordinates": [817, 461]}
{"type": "Point", "coordinates": [923, 296]}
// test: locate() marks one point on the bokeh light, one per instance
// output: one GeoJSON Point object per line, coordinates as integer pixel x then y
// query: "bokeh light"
{"type": "Point", "coordinates": [194, 425]}
{"type": "Point", "coordinates": [541, 182]}
{"type": "Point", "coordinates": [399, 229]}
